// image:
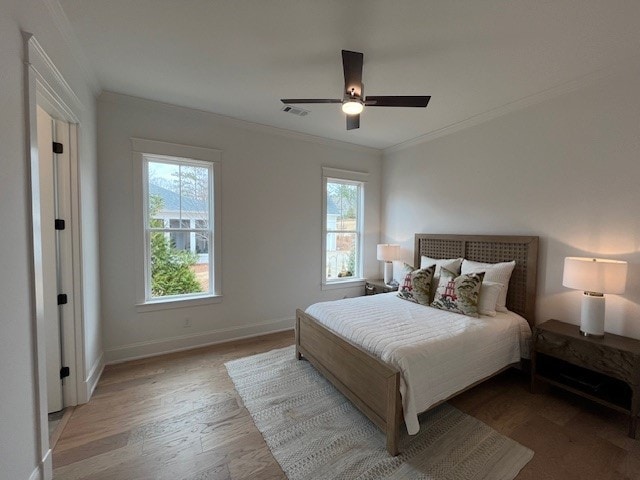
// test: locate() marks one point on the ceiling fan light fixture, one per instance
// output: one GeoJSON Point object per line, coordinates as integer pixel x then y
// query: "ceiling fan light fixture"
{"type": "Point", "coordinates": [353, 100]}
{"type": "Point", "coordinates": [352, 107]}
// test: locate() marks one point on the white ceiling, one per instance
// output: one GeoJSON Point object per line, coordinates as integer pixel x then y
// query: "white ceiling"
{"type": "Point", "coordinates": [238, 58]}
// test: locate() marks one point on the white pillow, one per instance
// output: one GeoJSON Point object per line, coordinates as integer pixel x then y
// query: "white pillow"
{"type": "Point", "coordinates": [489, 292]}
{"type": "Point", "coordinates": [494, 272]}
{"type": "Point", "coordinates": [451, 264]}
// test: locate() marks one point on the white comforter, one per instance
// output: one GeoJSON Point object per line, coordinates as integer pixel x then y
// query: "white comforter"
{"type": "Point", "coordinates": [439, 353]}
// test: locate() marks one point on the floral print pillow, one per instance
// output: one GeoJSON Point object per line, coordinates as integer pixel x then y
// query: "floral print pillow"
{"type": "Point", "coordinates": [458, 294]}
{"type": "Point", "coordinates": [417, 285]}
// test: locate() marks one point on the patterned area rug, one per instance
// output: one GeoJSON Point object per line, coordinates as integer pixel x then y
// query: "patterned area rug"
{"type": "Point", "coordinates": [314, 432]}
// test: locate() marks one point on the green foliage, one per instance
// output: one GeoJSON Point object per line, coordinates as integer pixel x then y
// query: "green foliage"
{"type": "Point", "coordinates": [171, 272]}
{"type": "Point", "coordinates": [170, 268]}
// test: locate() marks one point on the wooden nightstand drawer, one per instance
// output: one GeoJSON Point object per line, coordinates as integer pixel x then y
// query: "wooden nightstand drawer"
{"type": "Point", "coordinates": [610, 361]}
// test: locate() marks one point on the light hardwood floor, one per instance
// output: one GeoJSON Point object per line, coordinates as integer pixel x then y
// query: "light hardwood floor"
{"type": "Point", "coordinates": [178, 417]}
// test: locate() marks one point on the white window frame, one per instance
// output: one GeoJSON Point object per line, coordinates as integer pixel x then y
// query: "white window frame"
{"type": "Point", "coordinates": [348, 177]}
{"type": "Point", "coordinates": [147, 150]}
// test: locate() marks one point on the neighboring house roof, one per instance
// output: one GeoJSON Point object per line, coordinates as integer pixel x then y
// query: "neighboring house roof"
{"type": "Point", "coordinates": [171, 200]}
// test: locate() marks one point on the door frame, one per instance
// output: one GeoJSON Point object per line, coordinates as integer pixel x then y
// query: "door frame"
{"type": "Point", "coordinates": [45, 86]}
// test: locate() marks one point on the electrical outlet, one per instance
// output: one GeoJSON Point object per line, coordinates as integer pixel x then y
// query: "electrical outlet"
{"type": "Point", "coordinates": [187, 322]}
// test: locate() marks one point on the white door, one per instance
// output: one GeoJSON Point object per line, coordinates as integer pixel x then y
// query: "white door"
{"type": "Point", "coordinates": [52, 184]}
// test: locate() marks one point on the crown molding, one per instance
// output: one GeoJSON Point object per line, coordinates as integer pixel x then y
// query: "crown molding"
{"type": "Point", "coordinates": [520, 104]}
{"type": "Point", "coordinates": [122, 99]}
{"type": "Point", "coordinates": [62, 23]}
{"type": "Point", "coordinates": [58, 92]}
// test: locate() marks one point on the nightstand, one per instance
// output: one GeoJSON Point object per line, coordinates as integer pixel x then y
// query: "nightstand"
{"type": "Point", "coordinates": [373, 287]}
{"type": "Point", "coordinates": [604, 370]}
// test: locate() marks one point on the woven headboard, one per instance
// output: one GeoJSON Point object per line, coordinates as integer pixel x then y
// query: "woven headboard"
{"type": "Point", "coordinates": [521, 297]}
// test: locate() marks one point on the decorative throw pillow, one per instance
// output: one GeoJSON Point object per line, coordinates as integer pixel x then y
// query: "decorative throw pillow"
{"type": "Point", "coordinates": [458, 294]}
{"type": "Point", "coordinates": [417, 285]}
{"type": "Point", "coordinates": [451, 264]}
{"type": "Point", "coordinates": [489, 292]}
{"type": "Point", "coordinates": [494, 272]}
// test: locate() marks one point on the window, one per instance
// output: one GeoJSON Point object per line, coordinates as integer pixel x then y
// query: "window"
{"type": "Point", "coordinates": [179, 213]}
{"type": "Point", "coordinates": [343, 206]}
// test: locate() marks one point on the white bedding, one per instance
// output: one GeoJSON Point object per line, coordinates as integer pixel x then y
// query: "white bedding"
{"type": "Point", "coordinates": [439, 353]}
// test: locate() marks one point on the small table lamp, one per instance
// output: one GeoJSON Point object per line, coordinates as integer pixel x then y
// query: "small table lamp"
{"type": "Point", "coordinates": [594, 276]}
{"type": "Point", "coordinates": [388, 253]}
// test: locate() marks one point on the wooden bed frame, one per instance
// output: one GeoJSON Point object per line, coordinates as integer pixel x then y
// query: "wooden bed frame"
{"type": "Point", "coordinates": [373, 385]}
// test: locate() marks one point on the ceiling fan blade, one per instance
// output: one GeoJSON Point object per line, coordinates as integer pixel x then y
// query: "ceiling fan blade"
{"type": "Point", "coordinates": [289, 101]}
{"type": "Point", "coordinates": [352, 66]}
{"type": "Point", "coordinates": [353, 121]}
{"type": "Point", "coordinates": [398, 101]}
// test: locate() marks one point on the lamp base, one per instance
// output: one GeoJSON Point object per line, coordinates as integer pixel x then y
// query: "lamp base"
{"type": "Point", "coordinates": [592, 315]}
{"type": "Point", "coordinates": [388, 272]}
{"type": "Point", "coordinates": [591, 335]}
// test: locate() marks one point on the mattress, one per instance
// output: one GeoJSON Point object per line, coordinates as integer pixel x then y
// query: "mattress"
{"type": "Point", "coordinates": [438, 353]}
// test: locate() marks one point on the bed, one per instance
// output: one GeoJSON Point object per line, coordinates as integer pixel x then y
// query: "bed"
{"type": "Point", "coordinates": [375, 385]}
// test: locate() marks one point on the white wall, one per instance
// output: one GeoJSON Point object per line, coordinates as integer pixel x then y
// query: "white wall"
{"type": "Point", "coordinates": [271, 224]}
{"type": "Point", "coordinates": [19, 449]}
{"type": "Point", "coordinates": [566, 169]}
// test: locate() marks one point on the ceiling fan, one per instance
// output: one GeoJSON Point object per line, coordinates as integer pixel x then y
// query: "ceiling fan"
{"type": "Point", "coordinates": [353, 100]}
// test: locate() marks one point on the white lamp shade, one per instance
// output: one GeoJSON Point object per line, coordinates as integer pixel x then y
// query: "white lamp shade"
{"type": "Point", "coordinates": [388, 252]}
{"type": "Point", "coordinates": [596, 275]}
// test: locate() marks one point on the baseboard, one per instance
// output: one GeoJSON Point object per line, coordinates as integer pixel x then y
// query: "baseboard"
{"type": "Point", "coordinates": [57, 433]}
{"type": "Point", "coordinates": [44, 471]}
{"type": "Point", "coordinates": [92, 379]}
{"type": "Point", "coordinates": [151, 348]}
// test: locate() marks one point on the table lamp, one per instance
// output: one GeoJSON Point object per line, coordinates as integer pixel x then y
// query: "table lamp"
{"type": "Point", "coordinates": [595, 277]}
{"type": "Point", "coordinates": [387, 253]}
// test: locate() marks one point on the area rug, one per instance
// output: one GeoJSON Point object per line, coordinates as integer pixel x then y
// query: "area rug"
{"type": "Point", "coordinates": [314, 432]}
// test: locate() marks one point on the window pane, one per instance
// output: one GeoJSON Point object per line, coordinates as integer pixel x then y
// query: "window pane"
{"type": "Point", "coordinates": [341, 255]}
{"type": "Point", "coordinates": [174, 271]}
{"type": "Point", "coordinates": [164, 197]}
{"type": "Point", "coordinates": [177, 191]}
{"type": "Point", "coordinates": [194, 188]}
{"type": "Point", "coordinates": [342, 206]}
{"type": "Point", "coordinates": [201, 267]}
{"type": "Point", "coordinates": [180, 240]}
{"type": "Point", "coordinates": [202, 242]}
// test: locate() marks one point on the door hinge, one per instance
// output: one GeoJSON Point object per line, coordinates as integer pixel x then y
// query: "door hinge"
{"type": "Point", "coordinates": [62, 299]}
{"type": "Point", "coordinates": [59, 224]}
{"type": "Point", "coordinates": [64, 372]}
{"type": "Point", "coordinates": [58, 147]}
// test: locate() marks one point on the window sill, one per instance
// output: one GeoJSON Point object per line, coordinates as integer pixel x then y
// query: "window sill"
{"type": "Point", "coordinates": [167, 304]}
{"type": "Point", "coordinates": [359, 282]}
